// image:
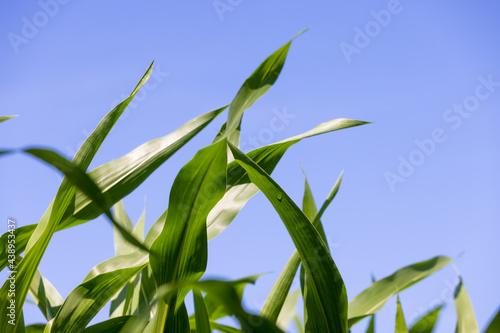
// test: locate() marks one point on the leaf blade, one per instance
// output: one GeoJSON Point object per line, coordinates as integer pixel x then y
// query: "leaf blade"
{"type": "Point", "coordinates": [326, 281]}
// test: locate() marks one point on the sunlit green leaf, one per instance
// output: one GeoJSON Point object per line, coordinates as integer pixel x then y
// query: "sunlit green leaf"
{"type": "Point", "coordinates": [255, 87]}
{"type": "Point", "coordinates": [326, 282]}
{"type": "Point", "coordinates": [85, 301]}
{"type": "Point", "coordinates": [5, 118]}
{"type": "Point", "coordinates": [288, 311]}
{"type": "Point", "coordinates": [427, 323]}
{"type": "Point", "coordinates": [373, 298]}
{"type": "Point", "coordinates": [400, 319]}
{"type": "Point", "coordinates": [117, 178]}
{"type": "Point", "coordinates": [45, 296]}
{"type": "Point", "coordinates": [240, 189]}
{"type": "Point", "coordinates": [201, 314]}
{"type": "Point", "coordinates": [180, 252]}
{"type": "Point", "coordinates": [466, 319]}
{"type": "Point", "coordinates": [276, 298]}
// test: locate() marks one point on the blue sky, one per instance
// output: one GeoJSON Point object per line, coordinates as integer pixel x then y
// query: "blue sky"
{"type": "Point", "coordinates": [422, 180]}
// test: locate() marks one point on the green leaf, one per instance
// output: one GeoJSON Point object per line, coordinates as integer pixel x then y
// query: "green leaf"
{"type": "Point", "coordinates": [35, 328]}
{"type": "Point", "coordinates": [180, 252]}
{"type": "Point", "coordinates": [312, 307]}
{"type": "Point", "coordinates": [299, 324]}
{"type": "Point", "coordinates": [62, 206]}
{"type": "Point", "coordinates": [427, 323]}
{"type": "Point", "coordinates": [5, 118]}
{"type": "Point", "coordinates": [113, 325]}
{"type": "Point", "coordinates": [215, 309]}
{"type": "Point", "coordinates": [105, 279]}
{"type": "Point", "coordinates": [240, 189]}
{"type": "Point", "coordinates": [288, 310]}
{"type": "Point", "coordinates": [45, 296]}
{"type": "Point", "coordinates": [494, 325]}
{"type": "Point", "coordinates": [118, 178]}
{"type": "Point", "coordinates": [373, 298]}
{"type": "Point", "coordinates": [128, 300]}
{"type": "Point", "coordinates": [276, 298]}
{"type": "Point", "coordinates": [371, 325]}
{"type": "Point", "coordinates": [326, 282]}
{"type": "Point", "coordinates": [254, 88]}
{"type": "Point", "coordinates": [121, 217]}
{"type": "Point", "coordinates": [84, 183]}
{"type": "Point", "coordinates": [400, 319]}
{"type": "Point", "coordinates": [225, 293]}
{"type": "Point", "coordinates": [224, 328]}
{"type": "Point", "coordinates": [466, 320]}
{"type": "Point", "coordinates": [201, 314]}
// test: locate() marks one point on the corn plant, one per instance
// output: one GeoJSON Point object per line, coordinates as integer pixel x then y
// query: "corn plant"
{"type": "Point", "coordinates": [149, 278]}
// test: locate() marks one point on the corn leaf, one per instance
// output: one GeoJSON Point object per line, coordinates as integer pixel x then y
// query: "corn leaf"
{"type": "Point", "coordinates": [215, 309]}
{"type": "Point", "coordinates": [201, 314]}
{"type": "Point", "coordinates": [118, 178]}
{"type": "Point", "coordinates": [371, 325]}
{"type": "Point", "coordinates": [84, 183]}
{"type": "Point", "coordinates": [288, 311]}
{"type": "Point", "coordinates": [5, 118]}
{"type": "Point", "coordinates": [35, 328]}
{"type": "Point", "coordinates": [326, 282]}
{"type": "Point", "coordinates": [373, 299]}
{"type": "Point", "coordinates": [427, 323]}
{"type": "Point", "coordinates": [45, 296]}
{"type": "Point", "coordinates": [240, 189]}
{"type": "Point", "coordinates": [121, 218]}
{"type": "Point", "coordinates": [113, 325]}
{"type": "Point", "coordinates": [254, 88]}
{"type": "Point", "coordinates": [85, 301]}
{"type": "Point", "coordinates": [180, 252]}
{"type": "Point", "coordinates": [466, 319]}
{"type": "Point", "coordinates": [277, 296]}
{"type": "Point", "coordinates": [312, 308]}
{"type": "Point", "coordinates": [225, 293]}
{"type": "Point", "coordinates": [400, 319]}
{"type": "Point", "coordinates": [127, 300]}
{"type": "Point", "coordinates": [494, 325]}
{"type": "Point", "coordinates": [61, 207]}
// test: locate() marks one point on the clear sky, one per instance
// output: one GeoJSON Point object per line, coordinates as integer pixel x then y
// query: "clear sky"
{"type": "Point", "coordinates": [422, 180]}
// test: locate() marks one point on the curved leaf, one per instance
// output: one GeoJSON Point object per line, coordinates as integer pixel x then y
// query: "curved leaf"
{"type": "Point", "coordinates": [240, 189]}
{"type": "Point", "coordinates": [278, 294]}
{"type": "Point", "coordinates": [326, 282]}
{"type": "Point", "coordinates": [105, 280]}
{"type": "Point", "coordinates": [427, 323]}
{"type": "Point", "coordinates": [373, 298]}
{"type": "Point", "coordinates": [180, 252]}
{"type": "Point", "coordinates": [466, 320]}
{"type": "Point", "coordinates": [255, 87]}
{"type": "Point", "coordinates": [45, 296]}
{"type": "Point", "coordinates": [117, 178]}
